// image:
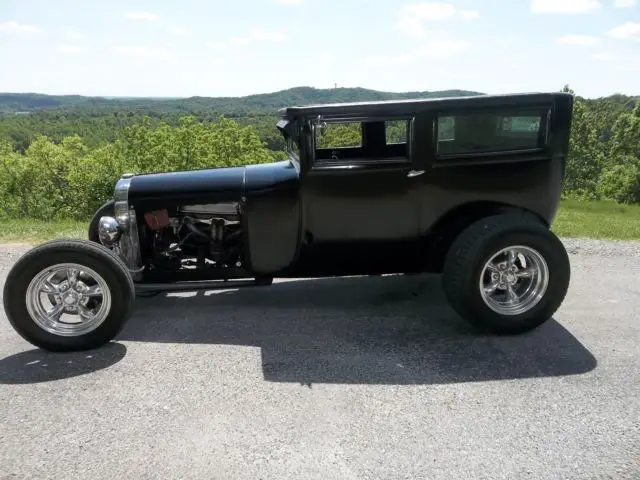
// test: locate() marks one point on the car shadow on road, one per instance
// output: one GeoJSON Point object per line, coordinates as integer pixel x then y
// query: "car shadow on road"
{"type": "Point", "coordinates": [38, 366]}
{"type": "Point", "coordinates": [367, 330]}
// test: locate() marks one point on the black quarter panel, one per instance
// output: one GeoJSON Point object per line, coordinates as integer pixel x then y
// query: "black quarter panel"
{"type": "Point", "coordinates": [534, 186]}
{"type": "Point", "coordinates": [272, 216]}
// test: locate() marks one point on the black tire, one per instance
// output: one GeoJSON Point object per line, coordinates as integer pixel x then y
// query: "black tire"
{"type": "Point", "coordinates": [476, 245]}
{"type": "Point", "coordinates": [106, 209]}
{"type": "Point", "coordinates": [97, 257]}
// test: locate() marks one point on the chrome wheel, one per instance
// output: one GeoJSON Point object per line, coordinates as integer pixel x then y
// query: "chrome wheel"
{"type": "Point", "coordinates": [514, 280]}
{"type": "Point", "coordinates": [68, 299]}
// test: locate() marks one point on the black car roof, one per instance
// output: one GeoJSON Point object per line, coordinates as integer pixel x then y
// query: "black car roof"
{"type": "Point", "coordinates": [400, 107]}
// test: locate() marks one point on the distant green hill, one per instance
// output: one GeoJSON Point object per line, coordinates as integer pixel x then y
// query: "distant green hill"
{"type": "Point", "coordinates": [264, 103]}
{"type": "Point", "coordinates": [99, 120]}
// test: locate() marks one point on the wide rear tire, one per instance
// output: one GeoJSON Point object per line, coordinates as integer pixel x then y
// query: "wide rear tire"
{"type": "Point", "coordinates": [506, 273]}
{"type": "Point", "coordinates": [75, 278]}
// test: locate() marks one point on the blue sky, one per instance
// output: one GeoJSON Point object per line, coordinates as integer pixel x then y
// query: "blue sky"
{"type": "Point", "coordinates": [216, 48]}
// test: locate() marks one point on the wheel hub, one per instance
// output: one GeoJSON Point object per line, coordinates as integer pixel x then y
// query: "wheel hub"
{"type": "Point", "coordinates": [505, 276]}
{"type": "Point", "coordinates": [514, 280]}
{"type": "Point", "coordinates": [71, 299]}
{"type": "Point", "coordinates": [89, 299]}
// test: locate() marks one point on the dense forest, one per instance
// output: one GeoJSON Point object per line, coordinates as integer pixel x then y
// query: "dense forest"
{"type": "Point", "coordinates": [60, 155]}
{"type": "Point", "coordinates": [98, 120]}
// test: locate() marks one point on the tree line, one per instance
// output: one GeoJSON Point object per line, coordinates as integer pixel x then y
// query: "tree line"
{"type": "Point", "coordinates": [68, 179]}
{"type": "Point", "coordinates": [64, 164]}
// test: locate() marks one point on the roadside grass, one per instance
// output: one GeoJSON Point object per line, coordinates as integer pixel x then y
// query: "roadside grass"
{"type": "Point", "coordinates": [35, 231]}
{"type": "Point", "coordinates": [578, 219]}
{"type": "Point", "coordinates": [603, 220]}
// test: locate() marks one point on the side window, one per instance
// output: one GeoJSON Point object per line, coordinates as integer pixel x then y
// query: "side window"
{"type": "Point", "coordinates": [396, 131]}
{"type": "Point", "coordinates": [484, 132]}
{"type": "Point", "coordinates": [530, 124]}
{"type": "Point", "coordinates": [339, 135]}
{"type": "Point", "coordinates": [365, 141]}
{"type": "Point", "coordinates": [446, 129]}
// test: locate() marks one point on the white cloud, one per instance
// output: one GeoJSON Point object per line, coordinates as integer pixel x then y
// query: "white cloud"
{"type": "Point", "coordinates": [72, 34]}
{"type": "Point", "coordinates": [260, 36]}
{"type": "Point", "coordinates": [469, 14]}
{"type": "Point", "coordinates": [605, 57]}
{"type": "Point", "coordinates": [142, 51]}
{"type": "Point", "coordinates": [429, 11]}
{"type": "Point", "coordinates": [217, 45]}
{"type": "Point", "coordinates": [629, 68]}
{"type": "Point", "coordinates": [578, 40]}
{"type": "Point", "coordinates": [624, 3]}
{"type": "Point", "coordinates": [267, 36]}
{"type": "Point", "coordinates": [14, 27]}
{"type": "Point", "coordinates": [65, 48]}
{"type": "Point", "coordinates": [240, 40]}
{"type": "Point", "coordinates": [177, 31]}
{"type": "Point", "coordinates": [255, 35]}
{"type": "Point", "coordinates": [413, 18]}
{"type": "Point", "coordinates": [564, 6]}
{"type": "Point", "coordinates": [436, 50]}
{"type": "Point", "coordinates": [142, 16]}
{"type": "Point", "coordinates": [627, 31]}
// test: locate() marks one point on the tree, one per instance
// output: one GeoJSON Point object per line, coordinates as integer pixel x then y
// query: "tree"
{"type": "Point", "coordinates": [585, 158]}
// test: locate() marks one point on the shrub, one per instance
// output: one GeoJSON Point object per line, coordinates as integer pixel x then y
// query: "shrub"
{"type": "Point", "coordinates": [621, 183]}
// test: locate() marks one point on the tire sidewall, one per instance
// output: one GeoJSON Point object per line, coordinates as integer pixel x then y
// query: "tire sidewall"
{"type": "Point", "coordinates": [15, 306]}
{"type": "Point", "coordinates": [554, 254]}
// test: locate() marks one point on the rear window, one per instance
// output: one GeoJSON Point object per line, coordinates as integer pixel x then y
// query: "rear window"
{"type": "Point", "coordinates": [482, 132]}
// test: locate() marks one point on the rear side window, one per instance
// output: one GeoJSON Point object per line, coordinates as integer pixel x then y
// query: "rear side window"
{"type": "Point", "coordinates": [485, 132]}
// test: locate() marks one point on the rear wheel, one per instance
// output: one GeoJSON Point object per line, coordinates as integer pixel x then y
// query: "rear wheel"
{"type": "Point", "coordinates": [507, 273]}
{"type": "Point", "coordinates": [68, 295]}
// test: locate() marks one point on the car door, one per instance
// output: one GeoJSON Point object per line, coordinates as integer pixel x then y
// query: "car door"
{"type": "Point", "coordinates": [360, 185]}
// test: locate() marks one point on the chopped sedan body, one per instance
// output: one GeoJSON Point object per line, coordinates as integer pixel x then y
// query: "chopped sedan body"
{"type": "Point", "coordinates": [467, 187]}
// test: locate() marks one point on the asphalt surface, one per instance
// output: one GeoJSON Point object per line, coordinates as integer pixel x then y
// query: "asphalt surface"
{"type": "Point", "coordinates": [336, 379]}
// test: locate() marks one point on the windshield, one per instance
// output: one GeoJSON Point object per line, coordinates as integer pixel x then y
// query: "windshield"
{"type": "Point", "coordinates": [293, 149]}
{"type": "Point", "coordinates": [290, 132]}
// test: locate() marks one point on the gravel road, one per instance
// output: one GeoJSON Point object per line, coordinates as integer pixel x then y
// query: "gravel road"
{"type": "Point", "coordinates": [336, 379]}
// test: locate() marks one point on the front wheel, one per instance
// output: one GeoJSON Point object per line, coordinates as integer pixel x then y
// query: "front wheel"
{"type": "Point", "coordinates": [68, 295]}
{"type": "Point", "coordinates": [507, 273]}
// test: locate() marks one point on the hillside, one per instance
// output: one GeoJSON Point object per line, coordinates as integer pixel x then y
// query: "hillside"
{"type": "Point", "coordinates": [100, 120]}
{"type": "Point", "coordinates": [62, 156]}
{"type": "Point", "coordinates": [264, 103]}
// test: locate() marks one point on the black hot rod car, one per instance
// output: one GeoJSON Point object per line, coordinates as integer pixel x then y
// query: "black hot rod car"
{"type": "Point", "coordinates": [467, 187]}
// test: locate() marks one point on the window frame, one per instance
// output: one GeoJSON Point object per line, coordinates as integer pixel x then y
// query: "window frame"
{"type": "Point", "coordinates": [364, 161]}
{"type": "Point", "coordinates": [543, 134]}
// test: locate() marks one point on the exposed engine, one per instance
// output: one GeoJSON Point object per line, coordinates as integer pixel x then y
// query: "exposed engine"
{"type": "Point", "coordinates": [195, 236]}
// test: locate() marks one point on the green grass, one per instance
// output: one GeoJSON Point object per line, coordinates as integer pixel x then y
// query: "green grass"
{"type": "Point", "coordinates": [34, 231]}
{"type": "Point", "coordinates": [606, 220]}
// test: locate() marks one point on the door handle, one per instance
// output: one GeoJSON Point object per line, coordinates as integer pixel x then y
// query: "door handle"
{"type": "Point", "coordinates": [415, 173]}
